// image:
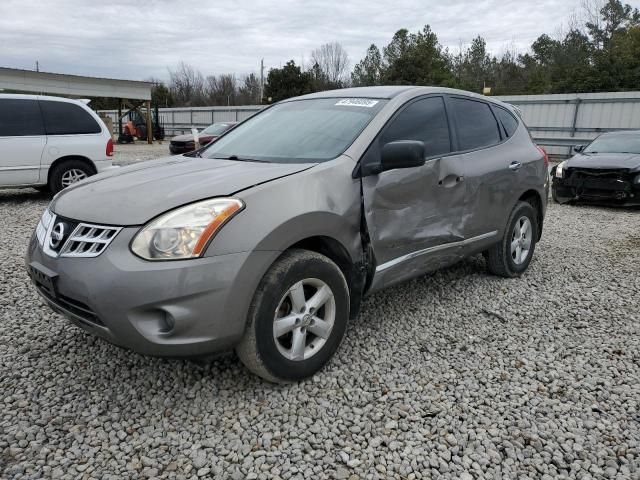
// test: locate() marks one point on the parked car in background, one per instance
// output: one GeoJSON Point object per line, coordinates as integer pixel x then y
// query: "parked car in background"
{"type": "Point", "coordinates": [605, 171]}
{"type": "Point", "coordinates": [268, 239]}
{"type": "Point", "coordinates": [184, 143]}
{"type": "Point", "coordinates": [50, 142]}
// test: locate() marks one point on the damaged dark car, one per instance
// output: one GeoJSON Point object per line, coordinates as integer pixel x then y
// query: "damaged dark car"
{"type": "Point", "coordinates": [607, 171]}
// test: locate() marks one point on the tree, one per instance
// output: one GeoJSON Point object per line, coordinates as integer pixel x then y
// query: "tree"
{"type": "Point", "coordinates": [160, 93]}
{"type": "Point", "coordinates": [187, 86]}
{"type": "Point", "coordinates": [249, 91]}
{"type": "Point", "coordinates": [221, 90]}
{"type": "Point", "coordinates": [286, 82]}
{"type": "Point", "coordinates": [369, 70]}
{"type": "Point", "coordinates": [333, 62]}
{"type": "Point", "coordinates": [416, 59]}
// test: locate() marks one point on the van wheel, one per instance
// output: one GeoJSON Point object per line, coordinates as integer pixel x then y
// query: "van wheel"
{"type": "Point", "coordinates": [512, 256]}
{"type": "Point", "coordinates": [297, 318]}
{"type": "Point", "coordinates": [67, 173]}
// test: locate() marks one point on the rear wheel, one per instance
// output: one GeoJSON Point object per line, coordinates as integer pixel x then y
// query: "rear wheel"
{"type": "Point", "coordinates": [512, 256]}
{"type": "Point", "coordinates": [67, 173]}
{"type": "Point", "coordinates": [297, 318]}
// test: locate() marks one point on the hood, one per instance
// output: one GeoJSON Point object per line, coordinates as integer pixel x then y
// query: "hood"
{"type": "Point", "coordinates": [188, 137]}
{"type": "Point", "coordinates": [629, 161]}
{"type": "Point", "coordinates": [135, 194]}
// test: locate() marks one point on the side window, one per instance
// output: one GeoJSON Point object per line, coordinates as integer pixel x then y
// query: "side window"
{"type": "Point", "coordinates": [508, 121]}
{"type": "Point", "coordinates": [477, 127]}
{"type": "Point", "coordinates": [20, 118]}
{"type": "Point", "coordinates": [424, 120]}
{"type": "Point", "coordinates": [62, 118]}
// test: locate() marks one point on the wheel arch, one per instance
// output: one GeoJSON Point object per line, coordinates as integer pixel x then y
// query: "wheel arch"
{"type": "Point", "coordinates": [533, 198]}
{"type": "Point", "coordinates": [338, 253]}
{"type": "Point", "coordinates": [67, 158]}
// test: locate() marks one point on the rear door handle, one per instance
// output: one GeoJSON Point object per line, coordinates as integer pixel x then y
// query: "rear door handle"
{"type": "Point", "coordinates": [515, 166]}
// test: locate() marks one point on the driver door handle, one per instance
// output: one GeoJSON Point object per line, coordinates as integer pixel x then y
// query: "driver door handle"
{"type": "Point", "coordinates": [515, 166]}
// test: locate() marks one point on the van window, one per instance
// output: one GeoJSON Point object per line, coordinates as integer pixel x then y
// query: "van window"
{"type": "Point", "coordinates": [508, 121]}
{"type": "Point", "coordinates": [20, 118]}
{"type": "Point", "coordinates": [477, 127]}
{"type": "Point", "coordinates": [424, 120]}
{"type": "Point", "coordinates": [62, 118]}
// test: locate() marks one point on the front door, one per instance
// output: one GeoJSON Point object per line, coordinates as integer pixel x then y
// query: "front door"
{"type": "Point", "coordinates": [22, 140]}
{"type": "Point", "coordinates": [414, 215]}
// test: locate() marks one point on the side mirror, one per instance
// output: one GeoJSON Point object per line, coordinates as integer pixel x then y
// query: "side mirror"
{"type": "Point", "coordinates": [578, 148]}
{"type": "Point", "coordinates": [402, 154]}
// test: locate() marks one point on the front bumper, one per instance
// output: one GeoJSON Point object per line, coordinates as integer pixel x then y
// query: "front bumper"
{"type": "Point", "coordinates": [611, 187]}
{"type": "Point", "coordinates": [172, 308]}
{"type": "Point", "coordinates": [181, 148]}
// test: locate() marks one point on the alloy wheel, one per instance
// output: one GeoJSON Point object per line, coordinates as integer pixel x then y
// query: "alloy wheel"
{"type": "Point", "coordinates": [304, 319]}
{"type": "Point", "coordinates": [521, 240]}
{"type": "Point", "coordinates": [72, 176]}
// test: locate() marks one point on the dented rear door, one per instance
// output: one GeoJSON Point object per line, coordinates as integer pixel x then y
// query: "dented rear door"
{"type": "Point", "coordinates": [414, 215]}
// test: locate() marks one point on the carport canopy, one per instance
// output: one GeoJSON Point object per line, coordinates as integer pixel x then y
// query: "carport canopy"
{"type": "Point", "coordinates": [13, 79]}
{"type": "Point", "coordinates": [73, 85]}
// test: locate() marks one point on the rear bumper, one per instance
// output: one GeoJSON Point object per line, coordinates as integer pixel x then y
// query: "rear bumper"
{"type": "Point", "coordinates": [620, 189]}
{"type": "Point", "coordinates": [104, 165]}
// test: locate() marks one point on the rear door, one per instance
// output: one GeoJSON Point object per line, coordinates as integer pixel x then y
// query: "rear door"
{"type": "Point", "coordinates": [22, 140]}
{"type": "Point", "coordinates": [71, 130]}
{"type": "Point", "coordinates": [491, 183]}
{"type": "Point", "coordinates": [414, 215]}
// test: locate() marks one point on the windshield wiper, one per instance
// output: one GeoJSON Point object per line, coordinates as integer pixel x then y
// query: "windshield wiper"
{"type": "Point", "coordinates": [240, 159]}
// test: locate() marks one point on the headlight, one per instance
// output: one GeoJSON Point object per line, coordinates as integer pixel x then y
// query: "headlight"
{"type": "Point", "coordinates": [185, 232]}
{"type": "Point", "coordinates": [637, 180]}
{"type": "Point", "coordinates": [560, 169]}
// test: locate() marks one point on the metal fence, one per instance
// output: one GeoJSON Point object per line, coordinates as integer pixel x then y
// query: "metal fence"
{"type": "Point", "coordinates": [177, 121]}
{"type": "Point", "coordinates": [556, 121]}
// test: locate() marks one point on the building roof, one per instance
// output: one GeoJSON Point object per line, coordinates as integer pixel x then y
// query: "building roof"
{"type": "Point", "coordinates": [72, 85]}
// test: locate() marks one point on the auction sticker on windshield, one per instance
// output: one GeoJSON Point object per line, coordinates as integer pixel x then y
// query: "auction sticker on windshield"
{"type": "Point", "coordinates": [357, 102]}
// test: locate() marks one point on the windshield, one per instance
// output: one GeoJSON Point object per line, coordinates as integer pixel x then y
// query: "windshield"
{"type": "Point", "coordinates": [216, 129]}
{"type": "Point", "coordinates": [302, 131]}
{"type": "Point", "coordinates": [615, 144]}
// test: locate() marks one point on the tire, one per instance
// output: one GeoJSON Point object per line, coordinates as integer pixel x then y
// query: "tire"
{"type": "Point", "coordinates": [501, 259]}
{"type": "Point", "coordinates": [270, 355]}
{"type": "Point", "coordinates": [554, 194]}
{"type": "Point", "coordinates": [68, 172]}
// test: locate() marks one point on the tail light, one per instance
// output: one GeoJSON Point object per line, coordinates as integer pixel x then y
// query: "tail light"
{"type": "Point", "coordinates": [110, 148]}
{"type": "Point", "coordinates": [545, 155]}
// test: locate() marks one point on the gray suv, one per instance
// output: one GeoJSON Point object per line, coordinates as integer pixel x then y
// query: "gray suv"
{"type": "Point", "coordinates": [267, 240]}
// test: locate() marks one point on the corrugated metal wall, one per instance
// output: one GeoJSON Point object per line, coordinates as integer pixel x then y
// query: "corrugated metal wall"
{"type": "Point", "coordinates": [555, 121]}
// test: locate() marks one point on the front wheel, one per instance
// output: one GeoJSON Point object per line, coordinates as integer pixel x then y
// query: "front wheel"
{"type": "Point", "coordinates": [512, 256]}
{"type": "Point", "coordinates": [297, 318]}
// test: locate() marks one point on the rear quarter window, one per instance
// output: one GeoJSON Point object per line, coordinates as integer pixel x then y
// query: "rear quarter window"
{"type": "Point", "coordinates": [508, 121]}
{"type": "Point", "coordinates": [62, 118]}
{"type": "Point", "coordinates": [20, 118]}
{"type": "Point", "coordinates": [477, 127]}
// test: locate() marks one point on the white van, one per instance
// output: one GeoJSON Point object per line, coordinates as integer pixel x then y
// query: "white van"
{"type": "Point", "coordinates": [50, 142]}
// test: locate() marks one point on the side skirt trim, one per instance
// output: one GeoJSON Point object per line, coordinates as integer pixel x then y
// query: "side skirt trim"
{"type": "Point", "coordinates": [437, 248]}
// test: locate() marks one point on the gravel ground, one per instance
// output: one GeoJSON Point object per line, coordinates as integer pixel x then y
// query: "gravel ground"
{"type": "Point", "coordinates": [455, 375]}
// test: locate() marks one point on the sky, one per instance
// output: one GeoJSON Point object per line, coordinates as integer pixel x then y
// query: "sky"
{"type": "Point", "coordinates": [118, 39]}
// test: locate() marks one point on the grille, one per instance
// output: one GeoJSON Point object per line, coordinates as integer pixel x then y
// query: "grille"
{"type": "Point", "coordinates": [88, 240]}
{"type": "Point", "coordinates": [75, 307]}
{"type": "Point", "coordinates": [84, 239]}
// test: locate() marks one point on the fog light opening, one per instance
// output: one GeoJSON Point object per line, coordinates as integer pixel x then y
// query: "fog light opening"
{"type": "Point", "coordinates": [167, 323]}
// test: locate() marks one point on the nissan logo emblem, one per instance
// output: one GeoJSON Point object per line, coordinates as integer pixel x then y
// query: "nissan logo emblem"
{"type": "Point", "coordinates": [57, 235]}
